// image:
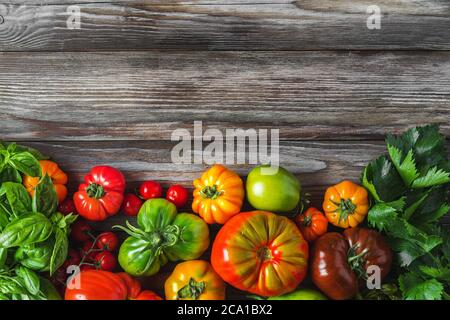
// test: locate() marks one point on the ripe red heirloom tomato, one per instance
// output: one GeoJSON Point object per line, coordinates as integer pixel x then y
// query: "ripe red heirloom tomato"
{"type": "Point", "coordinates": [98, 285]}
{"type": "Point", "coordinates": [312, 224]}
{"type": "Point", "coordinates": [101, 194]}
{"type": "Point", "coordinates": [107, 241]}
{"type": "Point", "coordinates": [178, 195]}
{"type": "Point", "coordinates": [80, 231]}
{"type": "Point", "coordinates": [148, 295]}
{"type": "Point", "coordinates": [340, 262]}
{"type": "Point", "coordinates": [131, 205]}
{"type": "Point", "coordinates": [260, 252]}
{"type": "Point", "coordinates": [150, 190]}
{"type": "Point", "coordinates": [105, 260]}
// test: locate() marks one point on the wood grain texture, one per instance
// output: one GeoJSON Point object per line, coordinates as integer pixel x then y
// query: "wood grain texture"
{"type": "Point", "coordinates": [146, 95]}
{"type": "Point", "coordinates": [225, 25]}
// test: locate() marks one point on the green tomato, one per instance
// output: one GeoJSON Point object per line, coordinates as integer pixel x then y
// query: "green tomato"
{"type": "Point", "coordinates": [278, 192]}
{"type": "Point", "coordinates": [162, 235]}
{"type": "Point", "coordinates": [302, 294]}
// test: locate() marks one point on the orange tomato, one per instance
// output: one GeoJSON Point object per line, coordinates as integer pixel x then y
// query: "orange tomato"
{"type": "Point", "coordinates": [59, 179]}
{"type": "Point", "coordinates": [312, 224]}
{"type": "Point", "coordinates": [194, 280]}
{"type": "Point", "coordinates": [218, 194]}
{"type": "Point", "coordinates": [346, 204]}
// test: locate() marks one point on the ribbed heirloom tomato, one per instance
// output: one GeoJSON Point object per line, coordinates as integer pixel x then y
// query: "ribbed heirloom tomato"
{"type": "Point", "coordinates": [312, 224]}
{"type": "Point", "coordinates": [260, 252]}
{"type": "Point", "coordinates": [59, 179]}
{"type": "Point", "coordinates": [101, 194]}
{"type": "Point", "coordinates": [346, 204]}
{"type": "Point", "coordinates": [218, 194]}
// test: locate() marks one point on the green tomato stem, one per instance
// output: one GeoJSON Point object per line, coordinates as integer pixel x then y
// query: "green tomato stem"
{"type": "Point", "coordinates": [95, 191]}
{"type": "Point", "coordinates": [193, 290]}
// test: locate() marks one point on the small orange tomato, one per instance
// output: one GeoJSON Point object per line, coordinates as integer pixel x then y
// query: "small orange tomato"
{"type": "Point", "coordinates": [346, 204]}
{"type": "Point", "coordinates": [312, 224]}
{"type": "Point", "coordinates": [59, 179]}
{"type": "Point", "coordinates": [218, 194]}
{"type": "Point", "coordinates": [194, 280]}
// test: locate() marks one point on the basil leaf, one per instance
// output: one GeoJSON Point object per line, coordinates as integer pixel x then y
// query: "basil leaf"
{"type": "Point", "coordinates": [36, 153]}
{"type": "Point", "coordinates": [26, 163]}
{"type": "Point", "coordinates": [30, 279]}
{"type": "Point", "coordinates": [29, 229]}
{"type": "Point", "coordinates": [18, 198]}
{"type": "Point", "coordinates": [45, 199]}
{"type": "Point", "coordinates": [3, 256]}
{"type": "Point", "coordinates": [60, 250]}
{"type": "Point", "coordinates": [10, 174]}
{"type": "Point", "coordinates": [11, 286]}
{"type": "Point", "coordinates": [36, 256]}
{"type": "Point", "coordinates": [4, 212]}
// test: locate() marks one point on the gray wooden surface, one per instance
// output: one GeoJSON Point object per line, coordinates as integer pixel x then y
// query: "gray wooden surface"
{"type": "Point", "coordinates": [113, 91]}
{"type": "Point", "coordinates": [225, 25]}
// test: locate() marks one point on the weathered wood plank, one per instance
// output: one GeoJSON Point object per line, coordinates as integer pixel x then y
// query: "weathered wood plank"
{"type": "Point", "coordinates": [225, 25]}
{"type": "Point", "coordinates": [318, 164]}
{"type": "Point", "coordinates": [146, 95]}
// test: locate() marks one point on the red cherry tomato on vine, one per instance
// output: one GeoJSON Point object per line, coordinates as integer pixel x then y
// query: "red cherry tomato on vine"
{"type": "Point", "coordinates": [131, 204]}
{"type": "Point", "coordinates": [105, 260]}
{"type": "Point", "coordinates": [73, 258]}
{"type": "Point", "coordinates": [80, 230]}
{"type": "Point", "coordinates": [150, 190]}
{"type": "Point", "coordinates": [107, 241]}
{"type": "Point", "coordinates": [89, 250]}
{"type": "Point", "coordinates": [67, 206]}
{"type": "Point", "coordinates": [178, 195]}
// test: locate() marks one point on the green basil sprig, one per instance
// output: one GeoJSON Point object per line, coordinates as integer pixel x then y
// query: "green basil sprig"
{"type": "Point", "coordinates": [29, 229]}
{"type": "Point", "coordinates": [45, 199]}
{"type": "Point", "coordinates": [16, 160]}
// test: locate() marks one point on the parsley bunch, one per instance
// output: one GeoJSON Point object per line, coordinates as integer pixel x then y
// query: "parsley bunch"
{"type": "Point", "coordinates": [410, 191]}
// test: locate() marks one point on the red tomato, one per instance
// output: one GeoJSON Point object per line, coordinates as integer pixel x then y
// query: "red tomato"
{"type": "Point", "coordinates": [67, 206]}
{"type": "Point", "coordinates": [105, 260]}
{"type": "Point", "coordinates": [107, 241]}
{"type": "Point", "coordinates": [101, 194]}
{"type": "Point", "coordinates": [80, 231]}
{"type": "Point", "coordinates": [312, 224]}
{"type": "Point", "coordinates": [178, 195]}
{"type": "Point", "coordinates": [133, 286]}
{"type": "Point", "coordinates": [98, 285]}
{"type": "Point", "coordinates": [131, 204]}
{"type": "Point", "coordinates": [89, 250]}
{"type": "Point", "coordinates": [148, 295]}
{"type": "Point", "coordinates": [150, 190]}
{"type": "Point", "coordinates": [260, 252]}
{"type": "Point", "coordinates": [73, 258]}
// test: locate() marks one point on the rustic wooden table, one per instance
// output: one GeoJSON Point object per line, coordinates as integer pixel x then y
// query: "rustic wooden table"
{"type": "Point", "coordinates": [113, 91]}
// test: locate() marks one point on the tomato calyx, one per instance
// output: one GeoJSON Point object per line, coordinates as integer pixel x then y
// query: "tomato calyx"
{"type": "Point", "coordinates": [193, 290]}
{"type": "Point", "coordinates": [264, 254]}
{"type": "Point", "coordinates": [306, 220]}
{"type": "Point", "coordinates": [357, 261]}
{"type": "Point", "coordinates": [156, 239]}
{"type": "Point", "coordinates": [345, 208]}
{"type": "Point", "coordinates": [95, 191]}
{"type": "Point", "coordinates": [210, 192]}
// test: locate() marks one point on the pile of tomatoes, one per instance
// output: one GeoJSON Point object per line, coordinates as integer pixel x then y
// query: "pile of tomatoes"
{"type": "Point", "coordinates": [260, 251]}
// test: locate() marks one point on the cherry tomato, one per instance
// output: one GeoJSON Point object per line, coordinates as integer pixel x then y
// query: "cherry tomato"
{"type": "Point", "coordinates": [131, 204]}
{"type": "Point", "coordinates": [89, 250]}
{"type": "Point", "coordinates": [67, 206]}
{"type": "Point", "coordinates": [178, 195]}
{"type": "Point", "coordinates": [106, 261]}
{"type": "Point", "coordinates": [107, 241]}
{"type": "Point", "coordinates": [150, 190]}
{"type": "Point", "coordinates": [80, 230]}
{"type": "Point", "coordinates": [73, 258]}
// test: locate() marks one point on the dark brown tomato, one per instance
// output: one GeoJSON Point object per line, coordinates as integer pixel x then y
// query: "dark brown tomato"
{"type": "Point", "coordinates": [330, 270]}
